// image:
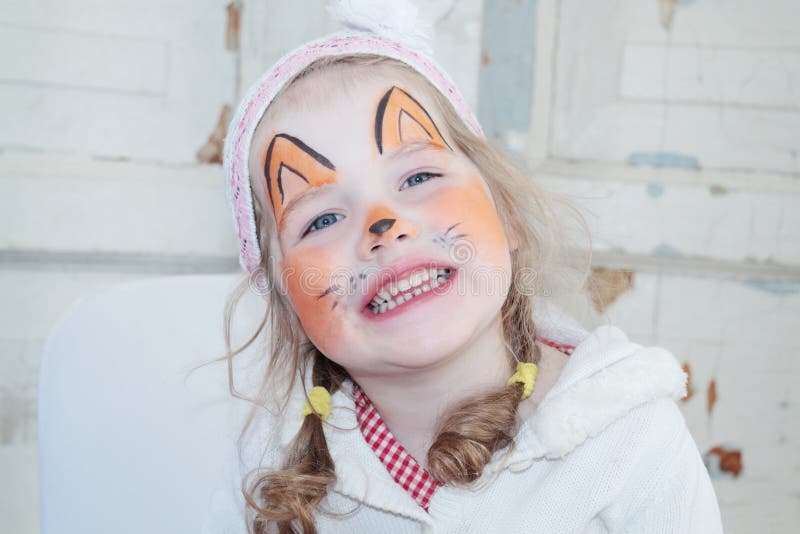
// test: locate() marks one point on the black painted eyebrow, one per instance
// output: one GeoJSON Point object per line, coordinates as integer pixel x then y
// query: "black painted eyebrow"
{"type": "Point", "coordinates": [380, 114]}
{"type": "Point", "coordinates": [319, 158]}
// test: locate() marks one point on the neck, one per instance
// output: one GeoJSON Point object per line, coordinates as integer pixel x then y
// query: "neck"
{"type": "Point", "coordinates": [412, 403]}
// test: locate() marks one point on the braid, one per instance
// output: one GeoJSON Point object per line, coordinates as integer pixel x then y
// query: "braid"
{"type": "Point", "coordinates": [289, 496]}
{"type": "Point", "coordinates": [471, 433]}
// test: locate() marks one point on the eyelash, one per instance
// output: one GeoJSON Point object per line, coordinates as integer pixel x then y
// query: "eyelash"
{"type": "Point", "coordinates": [428, 174]}
{"type": "Point", "coordinates": [311, 229]}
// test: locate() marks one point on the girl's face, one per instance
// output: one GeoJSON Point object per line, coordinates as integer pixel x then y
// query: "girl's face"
{"type": "Point", "coordinates": [385, 235]}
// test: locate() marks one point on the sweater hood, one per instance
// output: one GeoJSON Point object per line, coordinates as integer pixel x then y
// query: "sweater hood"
{"type": "Point", "coordinates": [605, 378]}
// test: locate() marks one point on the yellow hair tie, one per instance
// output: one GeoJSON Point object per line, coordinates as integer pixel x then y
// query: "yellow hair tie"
{"type": "Point", "coordinates": [525, 375]}
{"type": "Point", "coordinates": [320, 403]}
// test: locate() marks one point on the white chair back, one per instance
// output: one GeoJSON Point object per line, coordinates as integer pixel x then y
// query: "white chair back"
{"type": "Point", "coordinates": [129, 440]}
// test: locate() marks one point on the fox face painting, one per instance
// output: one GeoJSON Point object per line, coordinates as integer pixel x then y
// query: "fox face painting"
{"type": "Point", "coordinates": [380, 179]}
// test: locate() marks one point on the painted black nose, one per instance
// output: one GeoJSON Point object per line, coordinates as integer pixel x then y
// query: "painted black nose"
{"type": "Point", "coordinates": [382, 226]}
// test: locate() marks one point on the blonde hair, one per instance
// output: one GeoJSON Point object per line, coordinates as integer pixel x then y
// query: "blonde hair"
{"type": "Point", "coordinates": [470, 433]}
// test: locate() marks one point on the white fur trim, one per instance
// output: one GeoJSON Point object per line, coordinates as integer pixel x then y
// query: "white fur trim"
{"type": "Point", "coordinates": [394, 19]}
{"type": "Point", "coordinates": [565, 421]}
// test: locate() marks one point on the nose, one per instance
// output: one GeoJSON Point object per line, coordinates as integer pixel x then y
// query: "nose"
{"type": "Point", "coordinates": [383, 229]}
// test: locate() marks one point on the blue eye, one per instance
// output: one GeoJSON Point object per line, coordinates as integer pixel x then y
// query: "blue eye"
{"type": "Point", "coordinates": [323, 221]}
{"type": "Point", "coordinates": [418, 178]}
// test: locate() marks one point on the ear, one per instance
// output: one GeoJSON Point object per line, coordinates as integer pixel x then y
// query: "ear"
{"type": "Point", "coordinates": [290, 168]}
{"type": "Point", "coordinates": [401, 119]}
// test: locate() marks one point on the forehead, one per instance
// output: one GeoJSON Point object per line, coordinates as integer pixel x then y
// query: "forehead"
{"type": "Point", "coordinates": [333, 111]}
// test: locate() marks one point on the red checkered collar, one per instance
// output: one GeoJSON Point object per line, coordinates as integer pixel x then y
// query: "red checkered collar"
{"type": "Point", "coordinates": [403, 468]}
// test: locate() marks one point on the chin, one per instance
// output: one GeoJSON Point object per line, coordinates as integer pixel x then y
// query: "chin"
{"type": "Point", "coordinates": [431, 346]}
{"type": "Point", "coordinates": [421, 353]}
{"type": "Point", "coordinates": [416, 344]}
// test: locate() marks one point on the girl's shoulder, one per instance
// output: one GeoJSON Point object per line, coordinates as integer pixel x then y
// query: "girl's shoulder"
{"type": "Point", "coordinates": [605, 378]}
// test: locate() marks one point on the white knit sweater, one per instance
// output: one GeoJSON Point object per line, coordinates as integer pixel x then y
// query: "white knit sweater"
{"type": "Point", "coordinates": [607, 450]}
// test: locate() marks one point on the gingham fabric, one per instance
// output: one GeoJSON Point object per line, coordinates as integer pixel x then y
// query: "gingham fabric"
{"type": "Point", "coordinates": [566, 349]}
{"type": "Point", "coordinates": [405, 470]}
{"type": "Point", "coordinates": [402, 466]}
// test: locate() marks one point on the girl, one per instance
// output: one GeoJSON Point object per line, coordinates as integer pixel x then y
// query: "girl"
{"type": "Point", "coordinates": [417, 379]}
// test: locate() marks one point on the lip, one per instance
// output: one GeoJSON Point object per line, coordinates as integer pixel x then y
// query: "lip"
{"type": "Point", "coordinates": [398, 271]}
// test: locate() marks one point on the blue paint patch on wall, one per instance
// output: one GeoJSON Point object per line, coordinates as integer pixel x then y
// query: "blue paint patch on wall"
{"type": "Point", "coordinates": [655, 190]}
{"type": "Point", "coordinates": [685, 2]}
{"type": "Point", "coordinates": [505, 83]}
{"type": "Point", "coordinates": [664, 159]}
{"type": "Point", "coordinates": [776, 287]}
{"type": "Point", "coordinates": [665, 250]}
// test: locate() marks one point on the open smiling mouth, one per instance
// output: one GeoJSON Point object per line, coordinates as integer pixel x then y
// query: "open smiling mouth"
{"type": "Point", "coordinates": [396, 294]}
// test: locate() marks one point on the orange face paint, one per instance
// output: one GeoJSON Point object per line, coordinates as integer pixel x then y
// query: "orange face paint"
{"type": "Point", "coordinates": [381, 222]}
{"type": "Point", "coordinates": [318, 292]}
{"type": "Point", "coordinates": [401, 119]}
{"type": "Point", "coordinates": [324, 271]}
{"type": "Point", "coordinates": [479, 226]}
{"type": "Point", "coordinates": [290, 169]}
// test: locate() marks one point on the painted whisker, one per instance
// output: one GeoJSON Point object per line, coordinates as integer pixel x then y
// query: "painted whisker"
{"type": "Point", "coordinates": [328, 291]}
{"type": "Point", "coordinates": [447, 239]}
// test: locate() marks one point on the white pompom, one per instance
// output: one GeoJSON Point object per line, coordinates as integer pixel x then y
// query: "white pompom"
{"type": "Point", "coordinates": [394, 19]}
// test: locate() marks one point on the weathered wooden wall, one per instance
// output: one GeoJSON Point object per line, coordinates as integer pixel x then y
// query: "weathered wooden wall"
{"type": "Point", "coordinates": [676, 125]}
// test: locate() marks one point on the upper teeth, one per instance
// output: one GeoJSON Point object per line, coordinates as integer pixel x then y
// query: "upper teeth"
{"type": "Point", "coordinates": [394, 294]}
